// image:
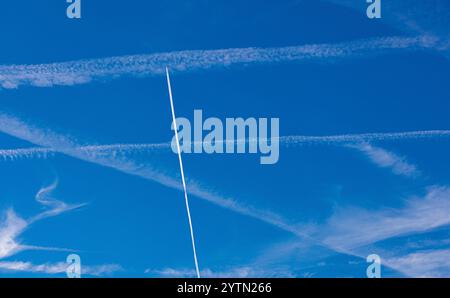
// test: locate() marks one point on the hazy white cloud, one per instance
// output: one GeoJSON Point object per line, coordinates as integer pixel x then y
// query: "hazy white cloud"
{"type": "Point", "coordinates": [386, 159]}
{"type": "Point", "coordinates": [56, 268]}
{"type": "Point", "coordinates": [427, 263]}
{"type": "Point", "coordinates": [235, 272]}
{"type": "Point", "coordinates": [11, 226]}
{"type": "Point", "coordinates": [83, 71]}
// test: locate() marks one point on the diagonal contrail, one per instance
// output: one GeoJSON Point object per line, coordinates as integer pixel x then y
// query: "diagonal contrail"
{"type": "Point", "coordinates": [84, 71]}
{"type": "Point", "coordinates": [175, 128]}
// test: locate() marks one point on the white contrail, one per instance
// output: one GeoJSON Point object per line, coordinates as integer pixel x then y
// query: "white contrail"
{"type": "Point", "coordinates": [35, 152]}
{"type": "Point", "coordinates": [83, 71]}
{"type": "Point", "coordinates": [349, 138]}
{"type": "Point", "coordinates": [175, 128]}
{"type": "Point", "coordinates": [98, 150]}
{"type": "Point", "coordinates": [287, 141]}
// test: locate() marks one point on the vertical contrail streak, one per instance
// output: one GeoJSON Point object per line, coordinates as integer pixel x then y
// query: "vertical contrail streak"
{"type": "Point", "coordinates": [182, 172]}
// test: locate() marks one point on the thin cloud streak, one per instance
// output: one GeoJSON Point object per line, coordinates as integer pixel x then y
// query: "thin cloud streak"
{"type": "Point", "coordinates": [287, 141]}
{"type": "Point", "coordinates": [364, 137]}
{"type": "Point", "coordinates": [386, 159]}
{"type": "Point", "coordinates": [84, 71]}
{"type": "Point", "coordinates": [98, 150]}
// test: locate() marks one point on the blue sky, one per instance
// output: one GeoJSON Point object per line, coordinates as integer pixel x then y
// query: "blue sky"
{"type": "Point", "coordinates": [322, 67]}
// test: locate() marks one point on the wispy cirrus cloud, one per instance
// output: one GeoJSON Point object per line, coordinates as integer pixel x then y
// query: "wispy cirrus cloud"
{"type": "Point", "coordinates": [386, 159]}
{"type": "Point", "coordinates": [54, 206]}
{"type": "Point", "coordinates": [398, 235]}
{"type": "Point", "coordinates": [12, 225]}
{"type": "Point", "coordinates": [351, 228]}
{"type": "Point", "coordinates": [84, 71]}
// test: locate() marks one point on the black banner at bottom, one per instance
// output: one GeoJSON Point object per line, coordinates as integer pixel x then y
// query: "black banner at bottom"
{"type": "Point", "coordinates": [213, 287]}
